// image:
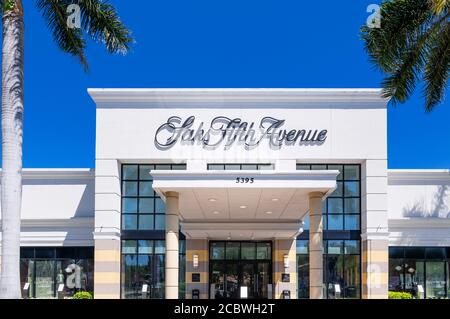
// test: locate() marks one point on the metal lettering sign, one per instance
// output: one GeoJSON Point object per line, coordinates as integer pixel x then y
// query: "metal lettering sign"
{"type": "Point", "coordinates": [227, 132]}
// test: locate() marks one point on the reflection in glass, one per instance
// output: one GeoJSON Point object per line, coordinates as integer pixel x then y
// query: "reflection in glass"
{"type": "Point", "coordinates": [248, 250]}
{"type": "Point", "coordinates": [263, 251]}
{"type": "Point", "coordinates": [435, 279]}
{"type": "Point", "coordinates": [217, 250]}
{"type": "Point", "coordinates": [232, 251]}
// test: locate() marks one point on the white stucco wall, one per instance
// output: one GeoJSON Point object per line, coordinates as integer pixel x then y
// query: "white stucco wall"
{"type": "Point", "coordinates": [57, 207]}
{"type": "Point", "coordinates": [419, 207]}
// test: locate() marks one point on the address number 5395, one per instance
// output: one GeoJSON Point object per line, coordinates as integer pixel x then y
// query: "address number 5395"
{"type": "Point", "coordinates": [245, 180]}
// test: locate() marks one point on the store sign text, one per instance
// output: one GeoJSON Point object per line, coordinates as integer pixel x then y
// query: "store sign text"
{"type": "Point", "coordinates": [227, 131]}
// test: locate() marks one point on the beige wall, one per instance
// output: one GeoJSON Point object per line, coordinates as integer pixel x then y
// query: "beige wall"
{"type": "Point", "coordinates": [197, 247]}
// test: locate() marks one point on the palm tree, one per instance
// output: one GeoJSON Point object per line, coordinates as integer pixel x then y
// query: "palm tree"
{"type": "Point", "coordinates": [412, 44]}
{"type": "Point", "coordinates": [98, 20]}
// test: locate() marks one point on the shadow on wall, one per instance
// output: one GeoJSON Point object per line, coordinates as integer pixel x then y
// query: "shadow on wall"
{"type": "Point", "coordinates": [439, 209]}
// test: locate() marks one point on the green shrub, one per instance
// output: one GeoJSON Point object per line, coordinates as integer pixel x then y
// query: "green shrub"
{"type": "Point", "coordinates": [399, 295]}
{"type": "Point", "coordinates": [83, 295]}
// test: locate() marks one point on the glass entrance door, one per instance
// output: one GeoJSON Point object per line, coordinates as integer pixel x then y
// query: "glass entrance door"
{"type": "Point", "coordinates": [236, 268]}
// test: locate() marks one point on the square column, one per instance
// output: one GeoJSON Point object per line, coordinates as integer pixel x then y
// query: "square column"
{"type": "Point", "coordinates": [284, 263]}
{"type": "Point", "coordinates": [315, 246]}
{"type": "Point", "coordinates": [374, 229]}
{"type": "Point", "coordinates": [107, 229]}
{"type": "Point", "coordinates": [172, 257]}
{"type": "Point", "coordinates": [197, 256]}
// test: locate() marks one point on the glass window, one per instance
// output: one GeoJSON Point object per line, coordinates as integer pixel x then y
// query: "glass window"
{"type": "Point", "coordinates": [160, 207]}
{"type": "Point", "coordinates": [303, 276]}
{"type": "Point", "coordinates": [145, 189]}
{"type": "Point", "coordinates": [351, 247]}
{"type": "Point", "coordinates": [145, 246]}
{"type": "Point", "coordinates": [335, 246]}
{"type": "Point", "coordinates": [335, 222]}
{"type": "Point", "coordinates": [130, 188]}
{"type": "Point", "coordinates": [351, 276]}
{"type": "Point", "coordinates": [44, 252]}
{"type": "Point", "coordinates": [160, 222]}
{"type": "Point", "coordinates": [409, 252]}
{"type": "Point", "coordinates": [250, 167]}
{"type": "Point", "coordinates": [232, 167]}
{"type": "Point", "coordinates": [129, 246]}
{"type": "Point", "coordinates": [351, 189]}
{"type": "Point", "coordinates": [217, 250]}
{"type": "Point", "coordinates": [130, 172]}
{"type": "Point", "coordinates": [351, 172]}
{"type": "Point", "coordinates": [351, 222]}
{"type": "Point", "coordinates": [302, 246]}
{"type": "Point", "coordinates": [160, 247]}
{"type": "Point", "coordinates": [319, 167]}
{"type": "Point", "coordinates": [435, 279]}
{"type": "Point", "coordinates": [129, 205]}
{"type": "Point", "coordinates": [164, 167]}
{"type": "Point", "coordinates": [263, 251]}
{"type": "Point", "coordinates": [129, 222]}
{"type": "Point", "coordinates": [146, 205]}
{"type": "Point", "coordinates": [216, 167]}
{"type": "Point", "coordinates": [335, 205]}
{"type": "Point", "coordinates": [145, 222]}
{"type": "Point", "coordinates": [303, 167]}
{"type": "Point", "coordinates": [248, 250]}
{"type": "Point", "coordinates": [232, 250]}
{"type": "Point", "coordinates": [144, 172]}
{"type": "Point", "coordinates": [47, 268]}
{"type": "Point", "coordinates": [338, 191]}
{"type": "Point", "coordinates": [435, 253]}
{"type": "Point", "coordinates": [130, 287]}
{"type": "Point", "coordinates": [351, 206]}
{"type": "Point", "coordinates": [334, 274]}
{"type": "Point", "coordinates": [266, 167]}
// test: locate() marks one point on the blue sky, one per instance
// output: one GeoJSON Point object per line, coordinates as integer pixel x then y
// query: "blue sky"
{"type": "Point", "coordinates": [213, 43]}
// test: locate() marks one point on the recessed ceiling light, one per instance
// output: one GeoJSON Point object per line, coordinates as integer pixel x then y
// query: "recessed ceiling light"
{"type": "Point", "coordinates": [243, 206]}
{"type": "Point", "coordinates": [275, 199]}
{"type": "Point", "coordinates": [268, 213]}
{"type": "Point", "coordinates": [216, 212]}
{"type": "Point", "coordinates": [241, 235]}
{"type": "Point", "coordinates": [212, 200]}
{"type": "Point", "coordinates": [229, 237]}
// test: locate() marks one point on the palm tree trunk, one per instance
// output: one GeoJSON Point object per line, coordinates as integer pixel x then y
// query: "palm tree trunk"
{"type": "Point", "coordinates": [12, 130]}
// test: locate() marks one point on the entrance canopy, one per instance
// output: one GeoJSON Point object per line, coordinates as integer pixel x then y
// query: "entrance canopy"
{"type": "Point", "coordinates": [241, 204]}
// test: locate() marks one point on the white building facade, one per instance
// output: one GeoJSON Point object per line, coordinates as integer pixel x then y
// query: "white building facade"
{"type": "Point", "coordinates": [237, 193]}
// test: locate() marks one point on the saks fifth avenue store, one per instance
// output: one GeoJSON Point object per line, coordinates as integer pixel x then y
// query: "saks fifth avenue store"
{"type": "Point", "coordinates": [237, 193]}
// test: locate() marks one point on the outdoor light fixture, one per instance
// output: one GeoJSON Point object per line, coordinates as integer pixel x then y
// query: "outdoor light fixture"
{"type": "Point", "coordinates": [195, 261]}
{"type": "Point", "coordinates": [286, 261]}
{"type": "Point", "coordinates": [216, 212]}
{"type": "Point", "coordinates": [268, 213]}
{"type": "Point", "coordinates": [243, 206]}
{"type": "Point", "coordinates": [275, 199]}
{"type": "Point", "coordinates": [212, 200]}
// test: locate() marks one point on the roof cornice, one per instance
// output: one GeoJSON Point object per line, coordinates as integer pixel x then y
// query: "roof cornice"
{"type": "Point", "coordinates": [72, 173]}
{"type": "Point", "coordinates": [418, 175]}
{"type": "Point", "coordinates": [276, 96]}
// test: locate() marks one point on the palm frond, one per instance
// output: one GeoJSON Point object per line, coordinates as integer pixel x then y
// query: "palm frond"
{"type": "Point", "coordinates": [102, 23]}
{"type": "Point", "coordinates": [400, 24]}
{"type": "Point", "coordinates": [402, 48]}
{"type": "Point", "coordinates": [70, 40]}
{"type": "Point", "coordinates": [436, 69]}
{"type": "Point", "coordinates": [439, 5]}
